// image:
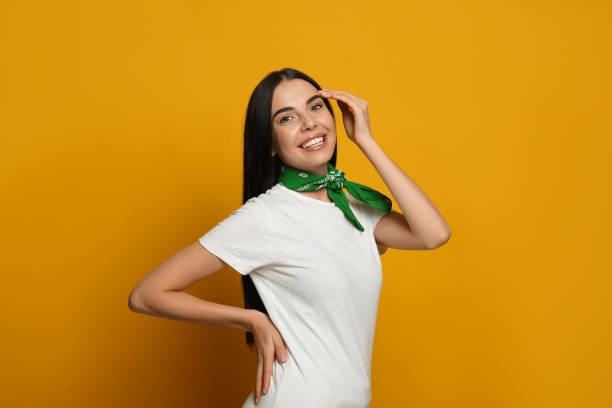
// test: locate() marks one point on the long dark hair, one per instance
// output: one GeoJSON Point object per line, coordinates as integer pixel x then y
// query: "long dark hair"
{"type": "Point", "coordinates": [260, 169]}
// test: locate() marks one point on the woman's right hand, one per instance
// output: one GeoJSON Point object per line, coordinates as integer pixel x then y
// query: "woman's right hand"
{"type": "Point", "coordinates": [270, 345]}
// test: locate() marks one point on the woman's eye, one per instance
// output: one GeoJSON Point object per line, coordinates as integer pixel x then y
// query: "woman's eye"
{"type": "Point", "coordinates": [285, 117]}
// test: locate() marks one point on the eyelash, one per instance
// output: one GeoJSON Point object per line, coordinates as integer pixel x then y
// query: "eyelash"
{"type": "Point", "coordinates": [282, 119]}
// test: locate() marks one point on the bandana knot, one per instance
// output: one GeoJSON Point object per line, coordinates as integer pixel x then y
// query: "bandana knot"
{"type": "Point", "coordinates": [335, 180]}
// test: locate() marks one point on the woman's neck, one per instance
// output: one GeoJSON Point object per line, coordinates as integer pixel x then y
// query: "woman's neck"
{"type": "Point", "coordinates": [317, 194]}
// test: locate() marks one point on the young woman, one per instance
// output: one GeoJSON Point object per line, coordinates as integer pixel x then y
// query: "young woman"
{"type": "Point", "coordinates": [308, 253]}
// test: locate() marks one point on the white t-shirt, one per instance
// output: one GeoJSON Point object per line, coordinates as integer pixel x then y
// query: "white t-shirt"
{"type": "Point", "coordinates": [320, 279]}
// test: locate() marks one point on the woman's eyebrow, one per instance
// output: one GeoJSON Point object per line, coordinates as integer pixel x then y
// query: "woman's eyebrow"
{"type": "Point", "coordinates": [312, 98]}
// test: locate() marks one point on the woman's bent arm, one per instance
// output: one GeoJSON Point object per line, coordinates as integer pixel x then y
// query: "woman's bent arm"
{"type": "Point", "coordinates": [160, 293]}
{"type": "Point", "coordinates": [182, 306]}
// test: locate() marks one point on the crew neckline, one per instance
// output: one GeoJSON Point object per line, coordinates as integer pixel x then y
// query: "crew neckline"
{"type": "Point", "coordinates": [304, 198]}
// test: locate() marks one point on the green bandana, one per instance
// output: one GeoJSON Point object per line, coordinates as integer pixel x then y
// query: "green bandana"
{"type": "Point", "coordinates": [335, 180]}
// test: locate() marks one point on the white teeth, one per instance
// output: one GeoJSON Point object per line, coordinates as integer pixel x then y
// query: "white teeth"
{"type": "Point", "coordinates": [314, 141]}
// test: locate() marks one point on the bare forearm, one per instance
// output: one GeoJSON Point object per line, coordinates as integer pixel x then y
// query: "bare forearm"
{"type": "Point", "coordinates": [421, 214]}
{"type": "Point", "coordinates": [178, 305]}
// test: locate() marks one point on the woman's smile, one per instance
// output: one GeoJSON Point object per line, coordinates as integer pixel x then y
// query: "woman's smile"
{"type": "Point", "coordinates": [315, 144]}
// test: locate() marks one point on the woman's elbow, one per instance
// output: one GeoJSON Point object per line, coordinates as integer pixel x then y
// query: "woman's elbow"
{"type": "Point", "coordinates": [135, 302]}
{"type": "Point", "coordinates": [441, 241]}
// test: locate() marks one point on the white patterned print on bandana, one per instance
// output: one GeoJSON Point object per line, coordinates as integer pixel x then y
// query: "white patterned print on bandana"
{"type": "Point", "coordinates": [336, 177]}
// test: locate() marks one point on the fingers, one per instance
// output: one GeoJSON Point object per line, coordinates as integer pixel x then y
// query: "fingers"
{"type": "Point", "coordinates": [258, 378]}
{"type": "Point", "coordinates": [268, 351]}
{"type": "Point", "coordinates": [281, 352]}
{"type": "Point", "coordinates": [265, 365]}
{"type": "Point", "coordinates": [267, 370]}
{"type": "Point", "coordinates": [352, 101]}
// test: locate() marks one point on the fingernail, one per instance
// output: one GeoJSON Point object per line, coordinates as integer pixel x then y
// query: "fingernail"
{"type": "Point", "coordinates": [284, 358]}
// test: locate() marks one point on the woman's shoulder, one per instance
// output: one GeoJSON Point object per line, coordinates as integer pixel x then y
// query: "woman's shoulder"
{"type": "Point", "coordinates": [263, 202]}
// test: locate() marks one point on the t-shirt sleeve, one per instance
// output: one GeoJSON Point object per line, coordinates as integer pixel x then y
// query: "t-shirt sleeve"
{"type": "Point", "coordinates": [374, 215]}
{"type": "Point", "coordinates": [242, 240]}
{"type": "Point", "coordinates": [369, 214]}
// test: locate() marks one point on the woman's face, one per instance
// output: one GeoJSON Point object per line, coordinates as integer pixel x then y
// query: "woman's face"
{"type": "Point", "coordinates": [298, 115]}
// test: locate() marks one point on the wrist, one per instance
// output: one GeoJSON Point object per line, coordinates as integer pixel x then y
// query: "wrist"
{"type": "Point", "coordinates": [250, 318]}
{"type": "Point", "coordinates": [366, 143]}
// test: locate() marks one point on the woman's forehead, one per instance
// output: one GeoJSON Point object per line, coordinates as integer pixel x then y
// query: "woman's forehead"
{"type": "Point", "coordinates": [293, 92]}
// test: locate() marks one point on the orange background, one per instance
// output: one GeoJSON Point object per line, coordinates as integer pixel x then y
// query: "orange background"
{"type": "Point", "coordinates": [122, 143]}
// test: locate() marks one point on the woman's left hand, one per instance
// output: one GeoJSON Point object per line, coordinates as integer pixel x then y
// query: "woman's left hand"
{"type": "Point", "coordinates": [354, 114]}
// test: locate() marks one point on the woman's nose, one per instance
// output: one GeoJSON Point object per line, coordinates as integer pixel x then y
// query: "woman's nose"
{"type": "Point", "coordinates": [309, 122]}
